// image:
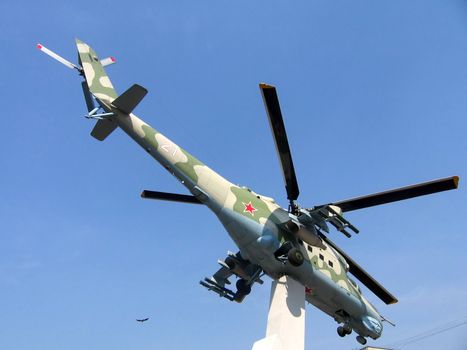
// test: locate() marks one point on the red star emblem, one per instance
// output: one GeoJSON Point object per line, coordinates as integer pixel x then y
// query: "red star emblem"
{"type": "Point", "coordinates": [249, 208]}
{"type": "Point", "coordinates": [308, 290]}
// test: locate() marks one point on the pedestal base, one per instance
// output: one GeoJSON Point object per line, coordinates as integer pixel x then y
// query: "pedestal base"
{"type": "Point", "coordinates": [286, 317]}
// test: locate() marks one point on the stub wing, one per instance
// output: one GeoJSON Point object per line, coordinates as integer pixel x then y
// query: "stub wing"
{"type": "Point", "coordinates": [234, 264]}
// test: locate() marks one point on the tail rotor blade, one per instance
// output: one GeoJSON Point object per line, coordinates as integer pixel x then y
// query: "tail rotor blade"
{"type": "Point", "coordinates": [107, 61]}
{"type": "Point", "coordinates": [271, 102]}
{"type": "Point", "coordinates": [57, 57]}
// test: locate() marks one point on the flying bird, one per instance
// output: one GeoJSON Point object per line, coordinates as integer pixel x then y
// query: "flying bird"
{"type": "Point", "coordinates": [143, 320]}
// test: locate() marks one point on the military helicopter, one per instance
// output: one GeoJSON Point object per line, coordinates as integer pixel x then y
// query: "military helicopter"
{"type": "Point", "coordinates": [272, 240]}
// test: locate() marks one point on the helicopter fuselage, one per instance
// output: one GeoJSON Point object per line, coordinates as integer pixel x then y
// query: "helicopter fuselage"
{"type": "Point", "coordinates": [270, 238]}
{"type": "Point", "coordinates": [254, 223]}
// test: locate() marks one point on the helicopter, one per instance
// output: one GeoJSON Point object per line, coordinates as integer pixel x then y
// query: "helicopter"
{"type": "Point", "coordinates": [271, 240]}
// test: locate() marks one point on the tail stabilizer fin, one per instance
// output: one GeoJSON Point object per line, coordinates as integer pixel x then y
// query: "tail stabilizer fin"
{"type": "Point", "coordinates": [103, 128]}
{"type": "Point", "coordinates": [98, 82]}
{"type": "Point", "coordinates": [127, 101]}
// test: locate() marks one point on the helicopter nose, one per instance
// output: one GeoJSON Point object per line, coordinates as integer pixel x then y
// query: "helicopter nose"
{"type": "Point", "coordinates": [373, 325]}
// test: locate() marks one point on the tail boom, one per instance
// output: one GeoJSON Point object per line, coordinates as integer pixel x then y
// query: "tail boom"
{"type": "Point", "coordinates": [192, 173]}
{"type": "Point", "coordinates": [204, 183]}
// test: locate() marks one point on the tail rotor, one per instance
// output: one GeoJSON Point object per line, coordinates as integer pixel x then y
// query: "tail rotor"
{"type": "Point", "coordinates": [59, 58]}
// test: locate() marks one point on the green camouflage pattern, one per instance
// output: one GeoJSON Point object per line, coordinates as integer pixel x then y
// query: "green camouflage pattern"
{"type": "Point", "coordinates": [337, 272]}
{"type": "Point", "coordinates": [98, 82]}
{"type": "Point", "coordinates": [192, 172]}
{"type": "Point", "coordinates": [199, 178]}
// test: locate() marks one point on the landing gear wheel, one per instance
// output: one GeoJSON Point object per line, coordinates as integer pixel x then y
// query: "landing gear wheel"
{"type": "Point", "coordinates": [243, 287]}
{"type": "Point", "coordinates": [361, 340]}
{"type": "Point", "coordinates": [295, 257]}
{"type": "Point", "coordinates": [347, 329]}
{"type": "Point", "coordinates": [283, 249]}
{"type": "Point", "coordinates": [341, 331]}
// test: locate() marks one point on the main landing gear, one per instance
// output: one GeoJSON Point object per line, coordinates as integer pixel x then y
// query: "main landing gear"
{"type": "Point", "coordinates": [361, 340]}
{"type": "Point", "coordinates": [288, 252]}
{"type": "Point", "coordinates": [295, 257]}
{"type": "Point", "coordinates": [344, 330]}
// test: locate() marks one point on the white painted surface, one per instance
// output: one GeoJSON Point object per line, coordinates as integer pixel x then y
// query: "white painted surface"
{"type": "Point", "coordinates": [286, 319]}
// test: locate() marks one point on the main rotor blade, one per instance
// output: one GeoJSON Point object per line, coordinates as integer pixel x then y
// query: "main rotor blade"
{"type": "Point", "coordinates": [363, 276]}
{"type": "Point", "coordinates": [398, 194]}
{"type": "Point", "coordinates": [174, 197]}
{"type": "Point", "coordinates": [271, 102]}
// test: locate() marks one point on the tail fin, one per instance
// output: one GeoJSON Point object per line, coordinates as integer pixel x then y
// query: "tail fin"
{"type": "Point", "coordinates": [98, 82]}
{"type": "Point", "coordinates": [101, 88]}
{"type": "Point", "coordinates": [126, 102]}
{"type": "Point", "coordinates": [103, 128]}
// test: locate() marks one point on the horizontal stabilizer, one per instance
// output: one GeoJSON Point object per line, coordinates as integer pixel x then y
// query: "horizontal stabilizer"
{"type": "Point", "coordinates": [174, 197]}
{"type": "Point", "coordinates": [103, 128]}
{"type": "Point", "coordinates": [127, 101]}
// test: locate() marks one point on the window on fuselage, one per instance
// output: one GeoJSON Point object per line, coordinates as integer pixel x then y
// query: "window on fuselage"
{"type": "Point", "coordinates": [330, 263]}
{"type": "Point", "coordinates": [321, 257]}
{"type": "Point", "coordinates": [310, 248]}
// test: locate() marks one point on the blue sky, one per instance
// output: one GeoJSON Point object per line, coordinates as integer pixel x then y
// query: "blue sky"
{"type": "Point", "coordinates": [374, 96]}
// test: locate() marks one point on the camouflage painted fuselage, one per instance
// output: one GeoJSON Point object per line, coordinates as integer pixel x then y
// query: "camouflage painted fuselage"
{"type": "Point", "coordinates": [253, 221]}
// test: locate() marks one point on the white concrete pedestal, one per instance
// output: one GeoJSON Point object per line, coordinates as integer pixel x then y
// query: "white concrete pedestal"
{"type": "Point", "coordinates": [286, 317]}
